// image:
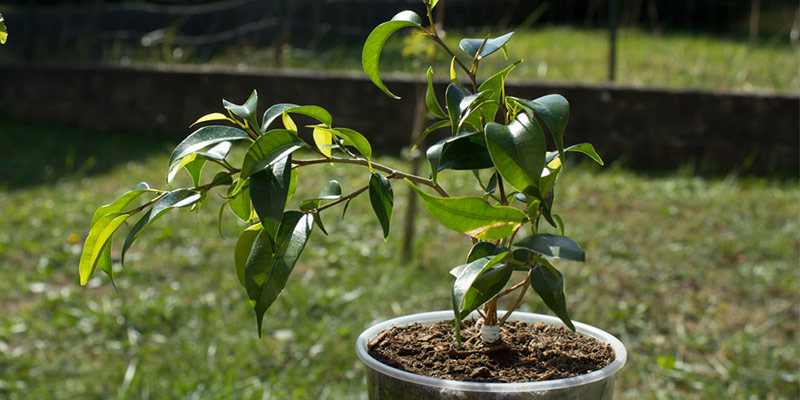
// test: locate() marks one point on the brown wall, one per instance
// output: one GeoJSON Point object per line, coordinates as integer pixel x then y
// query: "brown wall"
{"type": "Point", "coordinates": [646, 127]}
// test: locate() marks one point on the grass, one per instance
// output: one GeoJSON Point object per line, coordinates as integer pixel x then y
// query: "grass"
{"type": "Point", "coordinates": [698, 277]}
{"type": "Point", "coordinates": [551, 53]}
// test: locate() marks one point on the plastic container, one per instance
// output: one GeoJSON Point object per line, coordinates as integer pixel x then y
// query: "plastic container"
{"type": "Point", "coordinates": [387, 383]}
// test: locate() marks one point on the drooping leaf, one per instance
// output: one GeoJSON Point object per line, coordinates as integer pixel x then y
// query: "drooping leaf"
{"type": "Point", "coordinates": [323, 139]}
{"type": "Point", "coordinates": [288, 122]}
{"type": "Point", "coordinates": [485, 287]}
{"type": "Point", "coordinates": [496, 84]}
{"type": "Point", "coordinates": [463, 152]}
{"type": "Point", "coordinates": [242, 250]}
{"type": "Point", "coordinates": [466, 302]}
{"type": "Point", "coordinates": [211, 117]}
{"type": "Point", "coordinates": [473, 215]}
{"type": "Point", "coordinates": [454, 95]}
{"type": "Point", "coordinates": [268, 191]}
{"type": "Point", "coordinates": [434, 126]}
{"type": "Point", "coordinates": [175, 199]}
{"type": "Point", "coordinates": [453, 75]}
{"type": "Point", "coordinates": [553, 109]}
{"type": "Point", "coordinates": [239, 204]}
{"type": "Point", "coordinates": [274, 112]}
{"type": "Point", "coordinates": [381, 197]}
{"type": "Point", "coordinates": [430, 98]}
{"type": "Point", "coordinates": [549, 285]}
{"type": "Point", "coordinates": [194, 162]}
{"type": "Point", "coordinates": [370, 55]}
{"type": "Point", "coordinates": [268, 149]}
{"type": "Point", "coordinates": [471, 46]}
{"type": "Point", "coordinates": [120, 203]}
{"type": "Point", "coordinates": [99, 235]}
{"type": "Point", "coordinates": [204, 137]}
{"type": "Point", "coordinates": [268, 268]}
{"type": "Point", "coordinates": [518, 152]}
{"type": "Point", "coordinates": [553, 246]}
{"type": "Point", "coordinates": [586, 148]}
{"type": "Point", "coordinates": [246, 111]}
{"type": "Point", "coordinates": [104, 262]}
{"type": "Point", "coordinates": [356, 140]}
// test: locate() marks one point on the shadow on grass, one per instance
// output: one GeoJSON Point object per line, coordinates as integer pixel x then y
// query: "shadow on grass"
{"type": "Point", "coordinates": [36, 153]}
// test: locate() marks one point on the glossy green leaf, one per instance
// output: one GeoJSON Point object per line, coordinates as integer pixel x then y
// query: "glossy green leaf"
{"type": "Point", "coordinates": [485, 287]}
{"type": "Point", "coordinates": [318, 113]}
{"type": "Point", "coordinates": [473, 215]}
{"type": "Point", "coordinates": [463, 152]}
{"type": "Point", "coordinates": [268, 191]}
{"type": "Point", "coordinates": [370, 55]}
{"type": "Point", "coordinates": [288, 122]}
{"type": "Point", "coordinates": [518, 152]}
{"type": "Point", "coordinates": [241, 252]}
{"type": "Point", "coordinates": [175, 199]}
{"type": "Point", "coordinates": [479, 250]}
{"type": "Point", "coordinates": [381, 197]}
{"type": "Point", "coordinates": [269, 148]}
{"type": "Point", "coordinates": [553, 109]}
{"type": "Point", "coordinates": [454, 95]}
{"type": "Point", "coordinates": [553, 246]}
{"type": "Point", "coordinates": [471, 46]}
{"type": "Point", "coordinates": [430, 98]}
{"type": "Point", "coordinates": [211, 117]}
{"type": "Point", "coordinates": [246, 111]}
{"type": "Point", "coordinates": [190, 163]}
{"type": "Point", "coordinates": [465, 297]}
{"type": "Point", "coordinates": [436, 125]}
{"type": "Point", "coordinates": [549, 285]}
{"type": "Point", "coordinates": [453, 75]}
{"type": "Point", "coordinates": [433, 3]}
{"type": "Point", "coordinates": [268, 267]}
{"type": "Point", "coordinates": [99, 235]}
{"type": "Point", "coordinates": [239, 204]}
{"type": "Point", "coordinates": [204, 137]}
{"type": "Point", "coordinates": [495, 83]}
{"type": "Point", "coordinates": [274, 112]}
{"type": "Point", "coordinates": [586, 148]}
{"type": "Point", "coordinates": [120, 203]}
{"type": "Point", "coordinates": [104, 262]}
{"type": "Point", "coordinates": [355, 140]}
{"type": "Point", "coordinates": [323, 138]}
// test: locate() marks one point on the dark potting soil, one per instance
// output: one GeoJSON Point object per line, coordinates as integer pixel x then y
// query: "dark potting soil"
{"type": "Point", "coordinates": [525, 353]}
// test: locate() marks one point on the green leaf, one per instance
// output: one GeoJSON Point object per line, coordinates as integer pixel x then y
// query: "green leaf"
{"type": "Point", "coordinates": [585, 148]}
{"type": "Point", "coordinates": [318, 221]}
{"type": "Point", "coordinates": [381, 197]}
{"type": "Point", "coordinates": [211, 117]}
{"type": "Point", "coordinates": [244, 245]}
{"type": "Point", "coordinates": [549, 285]}
{"type": "Point", "coordinates": [120, 203]}
{"type": "Point", "coordinates": [246, 111]}
{"type": "Point", "coordinates": [518, 151]}
{"type": "Point", "coordinates": [463, 152]}
{"type": "Point", "coordinates": [175, 199]}
{"type": "Point", "coordinates": [454, 95]}
{"type": "Point", "coordinates": [453, 75]}
{"type": "Point", "coordinates": [473, 215]}
{"type": "Point", "coordinates": [553, 246]}
{"type": "Point", "coordinates": [267, 269]}
{"type": "Point", "coordinates": [370, 55]}
{"type": "Point", "coordinates": [288, 122]}
{"type": "Point", "coordinates": [495, 83]}
{"type": "Point", "coordinates": [268, 149]}
{"type": "Point", "coordinates": [273, 112]}
{"type": "Point", "coordinates": [356, 140]}
{"type": "Point", "coordinates": [471, 46]}
{"type": "Point", "coordinates": [433, 4]}
{"type": "Point", "coordinates": [95, 243]}
{"type": "Point", "coordinates": [323, 138]}
{"type": "Point", "coordinates": [466, 297]}
{"type": "Point", "coordinates": [436, 125]}
{"type": "Point", "coordinates": [3, 30]}
{"type": "Point", "coordinates": [181, 163]}
{"type": "Point", "coordinates": [318, 113]}
{"type": "Point", "coordinates": [479, 250]}
{"type": "Point", "coordinates": [553, 109]}
{"type": "Point", "coordinates": [331, 191]}
{"type": "Point", "coordinates": [430, 98]}
{"type": "Point", "coordinates": [239, 204]}
{"type": "Point", "coordinates": [104, 262]}
{"type": "Point", "coordinates": [194, 162]}
{"type": "Point", "coordinates": [268, 191]}
{"type": "Point", "coordinates": [204, 137]}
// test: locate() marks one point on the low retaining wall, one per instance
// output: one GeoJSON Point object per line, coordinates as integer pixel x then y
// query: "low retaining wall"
{"type": "Point", "coordinates": [646, 127]}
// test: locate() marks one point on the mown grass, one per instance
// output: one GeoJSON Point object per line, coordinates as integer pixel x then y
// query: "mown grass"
{"type": "Point", "coordinates": [565, 54]}
{"type": "Point", "coordinates": [698, 277]}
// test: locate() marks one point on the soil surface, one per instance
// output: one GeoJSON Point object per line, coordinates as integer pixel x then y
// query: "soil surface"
{"type": "Point", "coordinates": [525, 353]}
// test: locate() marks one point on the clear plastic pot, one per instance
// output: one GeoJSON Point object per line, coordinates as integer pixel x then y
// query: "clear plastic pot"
{"type": "Point", "coordinates": [387, 383]}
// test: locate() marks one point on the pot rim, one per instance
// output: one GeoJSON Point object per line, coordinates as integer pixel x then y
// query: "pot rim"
{"type": "Point", "coordinates": [368, 335]}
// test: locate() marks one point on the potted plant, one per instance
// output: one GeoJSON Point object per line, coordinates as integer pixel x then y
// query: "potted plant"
{"type": "Point", "coordinates": [500, 138]}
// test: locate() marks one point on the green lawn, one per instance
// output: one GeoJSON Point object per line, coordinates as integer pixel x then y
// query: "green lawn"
{"type": "Point", "coordinates": [698, 277]}
{"type": "Point", "coordinates": [564, 54]}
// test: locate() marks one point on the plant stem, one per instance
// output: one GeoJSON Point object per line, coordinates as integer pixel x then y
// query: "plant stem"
{"type": "Point", "coordinates": [342, 199]}
{"type": "Point", "coordinates": [517, 302]}
{"type": "Point", "coordinates": [391, 173]}
{"type": "Point", "coordinates": [460, 64]}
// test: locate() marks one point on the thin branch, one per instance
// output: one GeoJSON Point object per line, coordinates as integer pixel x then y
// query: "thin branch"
{"type": "Point", "coordinates": [460, 64]}
{"type": "Point", "coordinates": [342, 199]}
{"type": "Point", "coordinates": [391, 173]}
{"type": "Point", "coordinates": [519, 297]}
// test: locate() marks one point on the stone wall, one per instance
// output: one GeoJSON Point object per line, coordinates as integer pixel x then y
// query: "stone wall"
{"type": "Point", "coordinates": [644, 127]}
